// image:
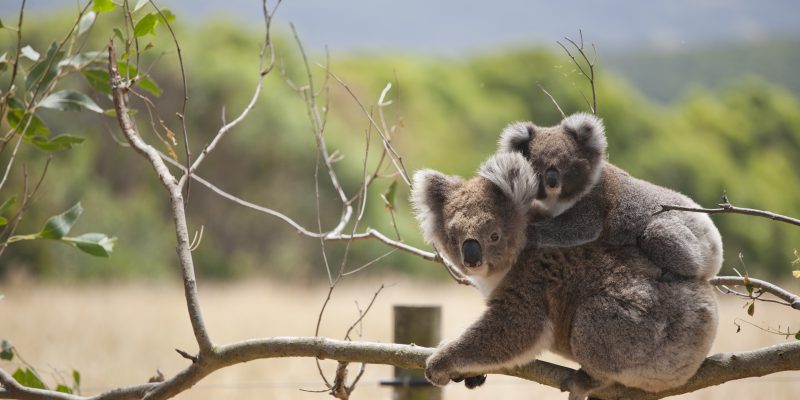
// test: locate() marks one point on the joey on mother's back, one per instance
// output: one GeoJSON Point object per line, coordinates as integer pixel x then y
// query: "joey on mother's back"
{"type": "Point", "coordinates": [581, 197]}
{"type": "Point", "coordinates": [604, 307]}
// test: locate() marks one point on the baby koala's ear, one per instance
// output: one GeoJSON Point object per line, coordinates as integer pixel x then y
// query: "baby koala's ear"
{"type": "Point", "coordinates": [428, 195]}
{"type": "Point", "coordinates": [512, 173]}
{"type": "Point", "coordinates": [516, 137]}
{"type": "Point", "coordinates": [587, 130]}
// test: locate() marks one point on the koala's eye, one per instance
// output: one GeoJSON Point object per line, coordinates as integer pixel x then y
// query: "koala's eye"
{"type": "Point", "coordinates": [494, 237]}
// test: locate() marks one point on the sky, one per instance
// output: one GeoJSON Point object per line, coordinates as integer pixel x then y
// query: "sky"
{"type": "Point", "coordinates": [453, 27]}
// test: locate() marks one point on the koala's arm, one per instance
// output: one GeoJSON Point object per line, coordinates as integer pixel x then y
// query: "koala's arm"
{"type": "Point", "coordinates": [583, 223]}
{"type": "Point", "coordinates": [511, 332]}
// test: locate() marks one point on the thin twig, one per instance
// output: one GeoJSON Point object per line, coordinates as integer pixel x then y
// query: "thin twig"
{"type": "Point", "coordinates": [560, 111]}
{"type": "Point", "coordinates": [792, 299]}
{"type": "Point", "coordinates": [727, 208]}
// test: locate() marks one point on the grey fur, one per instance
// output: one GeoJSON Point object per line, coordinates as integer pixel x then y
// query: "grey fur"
{"type": "Point", "coordinates": [512, 173]}
{"type": "Point", "coordinates": [605, 307]}
{"type": "Point", "coordinates": [600, 201]}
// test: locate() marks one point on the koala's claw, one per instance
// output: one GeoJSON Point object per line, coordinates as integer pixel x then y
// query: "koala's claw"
{"type": "Point", "coordinates": [474, 381]}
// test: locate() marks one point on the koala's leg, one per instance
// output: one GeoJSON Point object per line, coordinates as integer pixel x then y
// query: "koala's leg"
{"type": "Point", "coordinates": [511, 332]}
{"type": "Point", "coordinates": [672, 246]}
{"type": "Point", "coordinates": [580, 384]}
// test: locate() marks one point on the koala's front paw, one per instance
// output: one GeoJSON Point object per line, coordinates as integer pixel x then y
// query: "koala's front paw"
{"type": "Point", "coordinates": [438, 369]}
{"type": "Point", "coordinates": [474, 381]}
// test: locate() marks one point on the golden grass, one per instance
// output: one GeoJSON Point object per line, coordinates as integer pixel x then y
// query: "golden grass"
{"type": "Point", "coordinates": [121, 334]}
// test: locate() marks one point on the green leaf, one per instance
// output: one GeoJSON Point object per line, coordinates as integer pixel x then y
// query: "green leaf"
{"type": "Point", "coordinates": [751, 309]}
{"type": "Point", "coordinates": [140, 4]}
{"type": "Point", "coordinates": [63, 389]}
{"type": "Point", "coordinates": [150, 86]}
{"type": "Point", "coordinates": [70, 100]}
{"type": "Point", "coordinates": [146, 26]}
{"type": "Point", "coordinates": [44, 71]}
{"type": "Point", "coordinates": [86, 22]}
{"type": "Point", "coordinates": [103, 6]}
{"type": "Point", "coordinates": [30, 53]}
{"type": "Point", "coordinates": [58, 226]}
{"type": "Point", "coordinates": [389, 195]}
{"type": "Point", "coordinates": [6, 350]}
{"type": "Point", "coordinates": [98, 79]}
{"type": "Point", "coordinates": [3, 221]}
{"type": "Point", "coordinates": [28, 378]}
{"type": "Point", "coordinates": [118, 33]}
{"type": "Point", "coordinates": [797, 335]}
{"type": "Point", "coordinates": [76, 377]}
{"type": "Point", "coordinates": [16, 117]}
{"type": "Point", "coordinates": [96, 244]}
{"type": "Point", "coordinates": [7, 204]}
{"type": "Point", "coordinates": [81, 60]}
{"type": "Point", "coordinates": [168, 15]}
{"type": "Point", "coordinates": [57, 143]}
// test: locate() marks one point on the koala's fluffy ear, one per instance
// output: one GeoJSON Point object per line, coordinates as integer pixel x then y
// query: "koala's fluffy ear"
{"type": "Point", "coordinates": [512, 173]}
{"type": "Point", "coordinates": [588, 131]}
{"type": "Point", "coordinates": [428, 196]}
{"type": "Point", "coordinates": [516, 137]}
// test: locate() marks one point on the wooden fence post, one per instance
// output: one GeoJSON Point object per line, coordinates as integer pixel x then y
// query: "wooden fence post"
{"type": "Point", "coordinates": [421, 325]}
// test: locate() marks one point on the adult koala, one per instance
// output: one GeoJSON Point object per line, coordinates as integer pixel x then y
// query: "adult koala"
{"type": "Point", "coordinates": [604, 307]}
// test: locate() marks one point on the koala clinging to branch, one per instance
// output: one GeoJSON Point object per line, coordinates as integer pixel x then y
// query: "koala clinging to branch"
{"type": "Point", "coordinates": [581, 197]}
{"type": "Point", "coordinates": [604, 307]}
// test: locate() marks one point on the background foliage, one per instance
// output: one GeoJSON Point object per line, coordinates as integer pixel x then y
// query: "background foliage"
{"type": "Point", "coordinates": [742, 136]}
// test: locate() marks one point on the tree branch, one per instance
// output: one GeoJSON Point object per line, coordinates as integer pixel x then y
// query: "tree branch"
{"type": "Point", "coordinates": [792, 299]}
{"type": "Point", "coordinates": [716, 369]}
{"type": "Point", "coordinates": [728, 208]}
{"type": "Point", "coordinates": [118, 89]}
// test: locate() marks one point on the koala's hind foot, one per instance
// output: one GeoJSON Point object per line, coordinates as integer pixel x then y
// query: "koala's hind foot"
{"type": "Point", "coordinates": [580, 384]}
{"type": "Point", "coordinates": [471, 382]}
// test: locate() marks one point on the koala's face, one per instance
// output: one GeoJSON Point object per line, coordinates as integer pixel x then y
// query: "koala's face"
{"type": "Point", "coordinates": [477, 224]}
{"type": "Point", "coordinates": [568, 158]}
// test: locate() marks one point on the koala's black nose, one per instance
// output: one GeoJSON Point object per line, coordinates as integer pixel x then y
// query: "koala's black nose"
{"type": "Point", "coordinates": [551, 177]}
{"type": "Point", "coordinates": [471, 252]}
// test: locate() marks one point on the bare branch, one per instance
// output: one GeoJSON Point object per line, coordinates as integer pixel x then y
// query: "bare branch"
{"type": "Point", "coordinates": [727, 208]}
{"type": "Point", "coordinates": [717, 369]}
{"type": "Point", "coordinates": [792, 299]}
{"type": "Point", "coordinates": [580, 48]}
{"type": "Point", "coordinates": [560, 111]}
{"type": "Point", "coordinates": [118, 89]}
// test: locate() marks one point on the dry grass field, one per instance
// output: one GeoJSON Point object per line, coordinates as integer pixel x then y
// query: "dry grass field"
{"type": "Point", "coordinates": [121, 334]}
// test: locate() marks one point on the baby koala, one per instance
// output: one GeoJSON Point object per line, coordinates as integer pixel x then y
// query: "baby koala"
{"type": "Point", "coordinates": [581, 197]}
{"type": "Point", "coordinates": [604, 307]}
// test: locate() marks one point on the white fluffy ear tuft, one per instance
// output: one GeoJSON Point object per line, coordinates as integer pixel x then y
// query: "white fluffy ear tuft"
{"type": "Point", "coordinates": [516, 137]}
{"type": "Point", "coordinates": [512, 173]}
{"type": "Point", "coordinates": [428, 195]}
{"type": "Point", "coordinates": [588, 131]}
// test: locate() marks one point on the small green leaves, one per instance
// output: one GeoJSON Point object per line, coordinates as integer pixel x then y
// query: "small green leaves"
{"type": "Point", "coordinates": [140, 4]}
{"type": "Point", "coordinates": [28, 378]}
{"type": "Point", "coordinates": [86, 22]}
{"type": "Point", "coordinates": [44, 71]}
{"type": "Point", "coordinates": [60, 225]}
{"type": "Point", "coordinates": [76, 378]}
{"type": "Point", "coordinates": [146, 25]}
{"type": "Point", "coordinates": [389, 195]}
{"type": "Point", "coordinates": [4, 207]}
{"type": "Point", "coordinates": [101, 6]}
{"type": "Point", "coordinates": [30, 53]}
{"type": "Point", "coordinates": [63, 388]}
{"type": "Point", "coordinates": [58, 143]}
{"type": "Point", "coordinates": [70, 100]}
{"type": "Point", "coordinates": [150, 86]}
{"type": "Point", "coordinates": [143, 81]}
{"type": "Point", "coordinates": [17, 117]}
{"type": "Point", "coordinates": [96, 244]}
{"type": "Point", "coordinates": [6, 350]}
{"type": "Point", "coordinates": [797, 335]}
{"type": "Point", "coordinates": [98, 80]}
{"type": "Point", "coordinates": [751, 310]}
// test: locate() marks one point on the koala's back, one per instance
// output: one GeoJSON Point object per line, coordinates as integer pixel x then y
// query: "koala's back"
{"type": "Point", "coordinates": [611, 313]}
